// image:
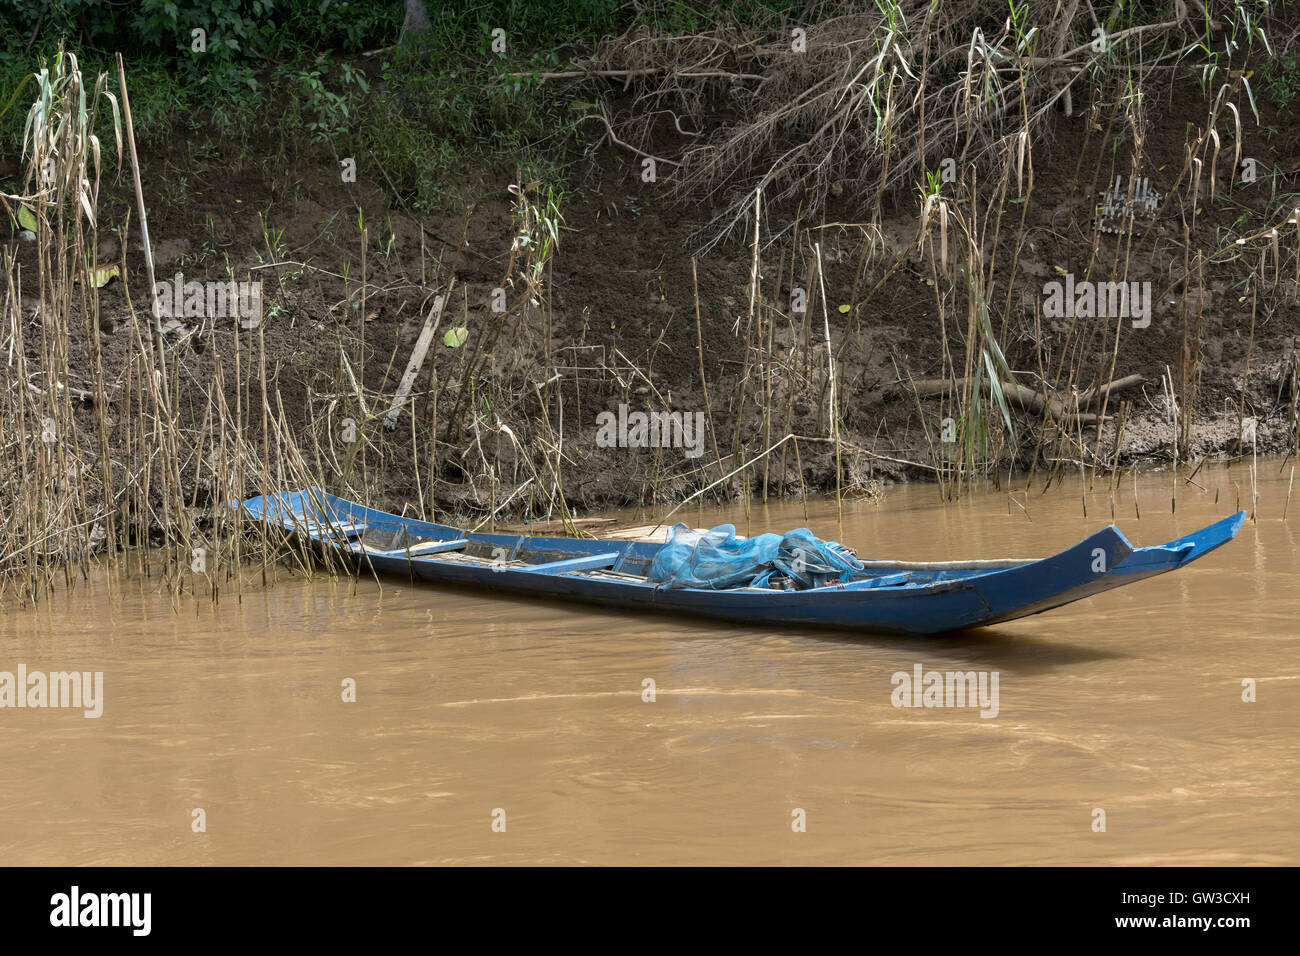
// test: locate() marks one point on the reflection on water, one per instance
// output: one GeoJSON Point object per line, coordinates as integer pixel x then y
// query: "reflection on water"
{"type": "Point", "coordinates": [1130, 702]}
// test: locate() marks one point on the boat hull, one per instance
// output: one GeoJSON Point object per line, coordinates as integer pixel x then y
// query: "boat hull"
{"type": "Point", "coordinates": [899, 599]}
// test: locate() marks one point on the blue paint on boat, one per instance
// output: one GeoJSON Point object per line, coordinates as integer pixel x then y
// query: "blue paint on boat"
{"type": "Point", "coordinates": [901, 598]}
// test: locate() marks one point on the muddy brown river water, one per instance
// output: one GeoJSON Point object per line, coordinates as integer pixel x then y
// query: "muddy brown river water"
{"type": "Point", "coordinates": [495, 730]}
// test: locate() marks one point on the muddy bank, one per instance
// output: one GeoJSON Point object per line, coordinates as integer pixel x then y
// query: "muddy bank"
{"type": "Point", "coordinates": [529, 351]}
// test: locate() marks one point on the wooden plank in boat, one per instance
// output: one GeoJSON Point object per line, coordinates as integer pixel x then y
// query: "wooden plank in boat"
{"type": "Point", "coordinates": [423, 548]}
{"type": "Point", "coordinates": [585, 563]}
{"type": "Point", "coordinates": [346, 529]}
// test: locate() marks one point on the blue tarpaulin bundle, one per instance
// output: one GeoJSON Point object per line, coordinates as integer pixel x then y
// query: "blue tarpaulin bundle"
{"type": "Point", "coordinates": [717, 559]}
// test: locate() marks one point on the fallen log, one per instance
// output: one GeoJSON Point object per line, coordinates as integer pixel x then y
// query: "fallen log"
{"type": "Point", "coordinates": [79, 394]}
{"type": "Point", "coordinates": [1090, 396]}
{"type": "Point", "coordinates": [1025, 397]}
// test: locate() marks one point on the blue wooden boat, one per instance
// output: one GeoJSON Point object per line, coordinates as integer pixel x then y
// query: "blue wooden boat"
{"type": "Point", "coordinates": [889, 596]}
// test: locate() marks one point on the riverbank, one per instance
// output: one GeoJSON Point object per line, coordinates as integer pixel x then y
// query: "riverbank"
{"type": "Point", "coordinates": [855, 333]}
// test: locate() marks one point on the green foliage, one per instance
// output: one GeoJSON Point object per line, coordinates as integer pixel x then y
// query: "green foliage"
{"type": "Point", "coordinates": [232, 28]}
{"type": "Point", "coordinates": [326, 112]}
{"type": "Point", "coordinates": [1282, 81]}
{"type": "Point", "coordinates": [435, 121]}
{"type": "Point", "coordinates": [546, 24]}
{"type": "Point", "coordinates": [348, 26]}
{"type": "Point", "coordinates": [236, 30]}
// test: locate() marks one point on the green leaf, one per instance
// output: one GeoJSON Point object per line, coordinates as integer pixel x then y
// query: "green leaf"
{"type": "Point", "coordinates": [18, 89]}
{"type": "Point", "coordinates": [845, 308]}
{"type": "Point", "coordinates": [455, 338]}
{"type": "Point", "coordinates": [26, 218]}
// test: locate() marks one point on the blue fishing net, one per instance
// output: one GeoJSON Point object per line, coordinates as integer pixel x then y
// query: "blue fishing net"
{"type": "Point", "coordinates": [717, 559]}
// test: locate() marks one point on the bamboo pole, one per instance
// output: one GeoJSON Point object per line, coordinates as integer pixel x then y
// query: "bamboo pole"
{"type": "Point", "coordinates": [144, 231]}
{"type": "Point", "coordinates": [830, 367]}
